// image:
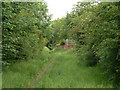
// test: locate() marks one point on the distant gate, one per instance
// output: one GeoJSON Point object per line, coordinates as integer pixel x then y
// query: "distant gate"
{"type": "Point", "coordinates": [66, 46]}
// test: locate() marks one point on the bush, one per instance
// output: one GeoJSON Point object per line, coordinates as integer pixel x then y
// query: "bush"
{"type": "Point", "coordinates": [109, 61]}
{"type": "Point", "coordinates": [23, 26]}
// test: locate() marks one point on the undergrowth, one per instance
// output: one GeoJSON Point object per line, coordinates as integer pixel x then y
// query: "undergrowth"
{"type": "Point", "coordinates": [69, 71]}
{"type": "Point", "coordinates": [21, 73]}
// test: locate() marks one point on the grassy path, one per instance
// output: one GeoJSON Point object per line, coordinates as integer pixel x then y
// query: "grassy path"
{"type": "Point", "coordinates": [22, 73]}
{"type": "Point", "coordinates": [40, 74]}
{"type": "Point", "coordinates": [66, 72]}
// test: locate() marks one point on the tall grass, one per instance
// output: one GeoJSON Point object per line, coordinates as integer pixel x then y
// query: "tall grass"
{"type": "Point", "coordinates": [0, 80]}
{"type": "Point", "coordinates": [68, 73]}
{"type": "Point", "coordinates": [22, 73]}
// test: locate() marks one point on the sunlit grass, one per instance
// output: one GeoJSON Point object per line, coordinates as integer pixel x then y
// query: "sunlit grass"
{"type": "Point", "coordinates": [0, 80]}
{"type": "Point", "coordinates": [67, 73]}
{"type": "Point", "coordinates": [21, 74]}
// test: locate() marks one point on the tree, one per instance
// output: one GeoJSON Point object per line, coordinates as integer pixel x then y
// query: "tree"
{"type": "Point", "coordinates": [23, 25]}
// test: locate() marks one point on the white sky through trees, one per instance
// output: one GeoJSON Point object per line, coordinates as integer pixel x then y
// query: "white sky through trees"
{"type": "Point", "coordinates": [59, 8]}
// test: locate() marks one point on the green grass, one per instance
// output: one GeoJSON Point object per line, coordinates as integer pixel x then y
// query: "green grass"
{"type": "Point", "coordinates": [0, 80]}
{"type": "Point", "coordinates": [66, 72]}
{"type": "Point", "coordinates": [22, 73]}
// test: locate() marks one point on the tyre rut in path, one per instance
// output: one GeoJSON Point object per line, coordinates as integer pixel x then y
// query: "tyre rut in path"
{"type": "Point", "coordinates": [40, 74]}
{"type": "Point", "coordinates": [67, 72]}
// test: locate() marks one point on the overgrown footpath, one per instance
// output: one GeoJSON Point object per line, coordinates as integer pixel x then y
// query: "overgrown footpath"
{"type": "Point", "coordinates": [22, 73]}
{"type": "Point", "coordinates": [67, 71]}
{"type": "Point", "coordinates": [70, 72]}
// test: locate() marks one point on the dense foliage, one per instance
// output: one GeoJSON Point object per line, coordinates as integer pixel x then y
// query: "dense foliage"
{"type": "Point", "coordinates": [23, 29]}
{"type": "Point", "coordinates": [94, 27]}
{"type": "Point", "coordinates": [26, 29]}
{"type": "Point", "coordinates": [59, 32]}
